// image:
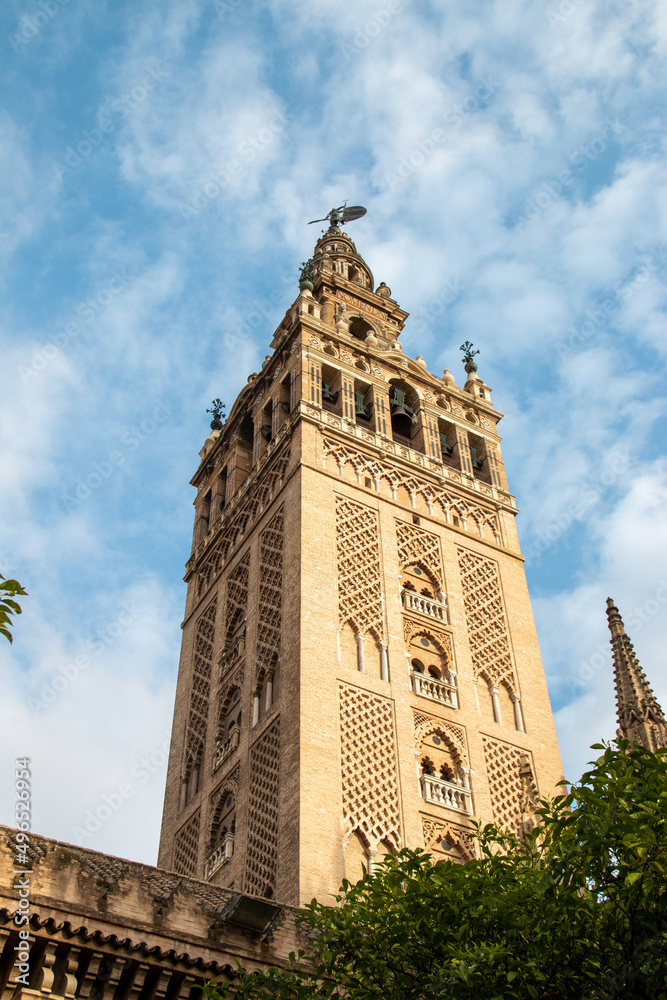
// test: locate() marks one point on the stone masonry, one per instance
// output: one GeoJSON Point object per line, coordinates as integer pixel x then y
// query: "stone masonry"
{"type": "Point", "coordinates": [360, 670]}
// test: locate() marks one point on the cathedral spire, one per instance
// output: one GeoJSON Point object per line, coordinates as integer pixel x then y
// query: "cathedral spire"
{"type": "Point", "coordinates": [640, 718]}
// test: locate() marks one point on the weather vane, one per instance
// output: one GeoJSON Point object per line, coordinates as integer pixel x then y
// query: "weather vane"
{"type": "Point", "coordinates": [469, 356]}
{"type": "Point", "coordinates": [339, 216]}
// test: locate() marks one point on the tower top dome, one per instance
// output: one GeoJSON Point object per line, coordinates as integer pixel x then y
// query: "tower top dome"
{"type": "Point", "coordinates": [335, 251]}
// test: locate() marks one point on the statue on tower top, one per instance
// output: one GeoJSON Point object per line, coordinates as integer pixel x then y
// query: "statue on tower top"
{"type": "Point", "coordinates": [339, 216]}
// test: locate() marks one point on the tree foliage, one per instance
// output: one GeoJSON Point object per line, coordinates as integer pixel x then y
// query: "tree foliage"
{"type": "Point", "coordinates": [577, 909]}
{"type": "Point", "coordinates": [8, 607]}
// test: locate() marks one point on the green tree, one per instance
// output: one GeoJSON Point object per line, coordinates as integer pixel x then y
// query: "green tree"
{"type": "Point", "coordinates": [577, 909]}
{"type": "Point", "coordinates": [8, 607]}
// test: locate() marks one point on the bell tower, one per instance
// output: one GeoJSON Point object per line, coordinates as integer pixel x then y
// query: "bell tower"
{"type": "Point", "coordinates": [359, 669]}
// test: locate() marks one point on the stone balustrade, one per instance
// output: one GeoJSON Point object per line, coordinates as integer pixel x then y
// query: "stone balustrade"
{"type": "Point", "coordinates": [413, 601]}
{"type": "Point", "coordinates": [441, 792]}
{"type": "Point", "coordinates": [432, 687]}
{"type": "Point", "coordinates": [224, 749]}
{"type": "Point", "coordinates": [217, 858]}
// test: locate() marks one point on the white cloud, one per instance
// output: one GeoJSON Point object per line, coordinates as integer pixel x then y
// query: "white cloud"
{"type": "Point", "coordinates": [629, 566]}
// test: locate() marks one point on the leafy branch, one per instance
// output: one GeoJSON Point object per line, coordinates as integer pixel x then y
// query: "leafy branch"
{"type": "Point", "coordinates": [8, 607]}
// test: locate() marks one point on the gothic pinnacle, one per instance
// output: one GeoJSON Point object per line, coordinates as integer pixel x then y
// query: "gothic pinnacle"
{"type": "Point", "coordinates": [640, 717]}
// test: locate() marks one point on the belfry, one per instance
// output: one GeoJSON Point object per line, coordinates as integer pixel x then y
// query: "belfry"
{"type": "Point", "coordinates": [360, 670]}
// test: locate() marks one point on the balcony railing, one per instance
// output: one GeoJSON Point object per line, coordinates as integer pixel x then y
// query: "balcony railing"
{"type": "Point", "coordinates": [445, 793]}
{"type": "Point", "coordinates": [230, 744]}
{"type": "Point", "coordinates": [217, 858]}
{"type": "Point", "coordinates": [432, 687]}
{"type": "Point", "coordinates": [412, 601]}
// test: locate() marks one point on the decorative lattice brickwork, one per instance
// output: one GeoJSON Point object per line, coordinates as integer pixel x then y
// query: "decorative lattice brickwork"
{"type": "Point", "coordinates": [201, 684]}
{"type": "Point", "coordinates": [453, 735]}
{"type": "Point", "coordinates": [442, 502]}
{"type": "Point", "coordinates": [485, 617]}
{"type": "Point", "coordinates": [247, 506]}
{"type": "Point", "coordinates": [447, 837]}
{"type": "Point", "coordinates": [511, 783]}
{"type": "Point", "coordinates": [270, 591]}
{"type": "Point", "coordinates": [262, 845]}
{"type": "Point", "coordinates": [368, 760]}
{"type": "Point", "coordinates": [417, 547]}
{"type": "Point", "coordinates": [358, 555]}
{"type": "Point", "coordinates": [218, 804]}
{"type": "Point", "coordinates": [237, 596]}
{"type": "Point", "coordinates": [186, 843]}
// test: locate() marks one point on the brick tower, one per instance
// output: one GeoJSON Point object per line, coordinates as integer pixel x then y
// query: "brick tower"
{"type": "Point", "coordinates": [359, 669]}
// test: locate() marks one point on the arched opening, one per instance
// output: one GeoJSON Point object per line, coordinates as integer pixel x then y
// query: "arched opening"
{"type": "Point", "coordinates": [384, 850]}
{"type": "Point", "coordinates": [424, 651]}
{"type": "Point", "coordinates": [360, 328]}
{"type": "Point", "coordinates": [440, 757]}
{"type": "Point", "coordinates": [221, 836]}
{"type": "Point", "coordinates": [447, 845]}
{"type": "Point", "coordinates": [432, 676]}
{"type": "Point", "coordinates": [448, 442]}
{"type": "Point", "coordinates": [235, 628]}
{"type": "Point", "coordinates": [363, 403]}
{"type": "Point", "coordinates": [265, 428]}
{"type": "Point", "coordinates": [417, 579]}
{"type": "Point", "coordinates": [246, 430]}
{"type": "Point", "coordinates": [224, 820]}
{"type": "Point", "coordinates": [267, 691]}
{"type": "Point", "coordinates": [331, 389]}
{"type": "Point", "coordinates": [284, 405]}
{"type": "Point", "coordinates": [356, 857]}
{"type": "Point", "coordinates": [478, 458]}
{"type": "Point", "coordinates": [190, 780]}
{"type": "Point", "coordinates": [229, 727]}
{"type": "Point", "coordinates": [203, 519]}
{"type": "Point", "coordinates": [221, 491]}
{"type": "Point", "coordinates": [444, 780]}
{"type": "Point", "coordinates": [405, 420]}
{"type": "Point", "coordinates": [233, 714]}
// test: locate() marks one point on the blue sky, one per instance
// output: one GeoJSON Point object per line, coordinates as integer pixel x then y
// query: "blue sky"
{"type": "Point", "coordinates": [160, 163]}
